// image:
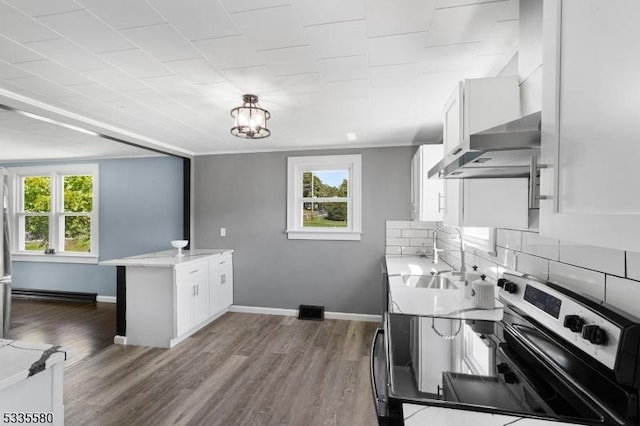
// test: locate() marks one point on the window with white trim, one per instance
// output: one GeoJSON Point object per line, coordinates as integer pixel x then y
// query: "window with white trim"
{"type": "Point", "coordinates": [324, 197]}
{"type": "Point", "coordinates": [56, 213]}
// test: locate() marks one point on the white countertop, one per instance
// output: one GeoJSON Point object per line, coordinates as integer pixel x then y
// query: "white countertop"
{"type": "Point", "coordinates": [166, 258]}
{"type": "Point", "coordinates": [420, 415]}
{"type": "Point", "coordinates": [413, 265]}
{"type": "Point", "coordinates": [19, 360]}
{"type": "Point", "coordinates": [430, 301]}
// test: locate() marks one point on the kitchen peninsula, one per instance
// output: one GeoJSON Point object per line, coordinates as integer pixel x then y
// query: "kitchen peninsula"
{"type": "Point", "coordinates": [164, 298]}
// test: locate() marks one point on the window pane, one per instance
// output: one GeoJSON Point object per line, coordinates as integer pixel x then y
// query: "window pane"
{"type": "Point", "coordinates": [78, 194]}
{"type": "Point", "coordinates": [77, 233]}
{"type": "Point", "coordinates": [324, 215]}
{"type": "Point", "coordinates": [37, 194]}
{"type": "Point", "coordinates": [325, 183]}
{"type": "Point", "coordinates": [36, 233]}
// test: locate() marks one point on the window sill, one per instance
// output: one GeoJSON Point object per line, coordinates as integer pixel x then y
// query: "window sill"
{"type": "Point", "coordinates": [324, 235]}
{"type": "Point", "coordinates": [54, 258]}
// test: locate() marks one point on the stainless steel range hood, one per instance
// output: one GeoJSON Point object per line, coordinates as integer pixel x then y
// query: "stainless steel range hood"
{"type": "Point", "coordinates": [502, 151]}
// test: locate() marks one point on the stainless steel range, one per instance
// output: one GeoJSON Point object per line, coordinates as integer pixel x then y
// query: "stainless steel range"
{"type": "Point", "coordinates": [553, 356]}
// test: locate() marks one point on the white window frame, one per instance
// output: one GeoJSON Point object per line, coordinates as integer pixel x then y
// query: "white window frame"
{"type": "Point", "coordinates": [296, 166]}
{"type": "Point", "coordinates": [480, 238]}
{"type": "Point", "coordinates": [56, 213]}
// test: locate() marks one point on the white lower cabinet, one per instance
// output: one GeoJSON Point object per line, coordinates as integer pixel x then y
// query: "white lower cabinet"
{"type": "Point", "coordinates": [167, 304]}
{"type": "Point", "coordinates": [192, 295]}
{"type": "Point", "coordinates": [221, 281]}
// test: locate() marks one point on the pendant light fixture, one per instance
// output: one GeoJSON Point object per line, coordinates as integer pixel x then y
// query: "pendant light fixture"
{"type": "Point", "coordinates": [250, 120]}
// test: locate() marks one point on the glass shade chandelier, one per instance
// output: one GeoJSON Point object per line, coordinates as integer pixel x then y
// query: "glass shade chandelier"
{"type": "Point", "coordinates": [250, 120]}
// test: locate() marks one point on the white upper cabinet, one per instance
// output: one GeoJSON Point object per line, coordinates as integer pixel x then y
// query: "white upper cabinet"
{"type": "Point", "coordinates": [426, 194]}
{"type": "Point", "coordinates": [476, 105]}
{"type": "Point", "coordinates": [487, 202]}
{"type": "Point", "coordinates": [591, 123]}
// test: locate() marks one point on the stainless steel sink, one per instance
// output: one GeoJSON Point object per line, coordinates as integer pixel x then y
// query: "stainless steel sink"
{"type": "Point", "coordinates": [429, 281]}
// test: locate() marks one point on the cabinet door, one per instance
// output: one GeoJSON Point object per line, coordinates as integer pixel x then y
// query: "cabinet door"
{"type": "Point", "coordinates": [430, 195]}
{"type": "Point", "coordinates": [200, 281]}
{"type": "Point", "coordinates": [452, 131]}
{"type": "Point", "coordinates": [184, 303]}
{"type": "Point", "coordinates": [590, 125]}
{"type": "Point", "coordinates": [226, 281]}
{"type": "Point", "coordinates": [452, 214]}
{"type": "Point", "coordinates": [415, 185]}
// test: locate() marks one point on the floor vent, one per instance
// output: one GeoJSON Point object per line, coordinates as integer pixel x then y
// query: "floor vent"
{"type": "Point", "coordinates": [311, 312]}
{"type": "Point", "coordinates": [67, 296]}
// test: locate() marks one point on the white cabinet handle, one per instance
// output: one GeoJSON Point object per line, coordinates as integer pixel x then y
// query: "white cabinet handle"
{"type": "Point", "coordinates": [194, 271]}
{"type": "Point", "coordinates": [440, 197]}
{"type": "Point", "coordinates": [222, 263]}
{"type": "Point", "coordinates": [223, 278]}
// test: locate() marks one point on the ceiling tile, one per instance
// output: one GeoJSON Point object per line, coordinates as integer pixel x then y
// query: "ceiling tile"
{"type": "Point", "coordinates": [288, 61]}
{"type": "Point", "coordinates": [438, 86]}
{"type": "Point", "coordinates": [464, 24]}
{"type": "Point", "coordinates": [337, 39]}
{"type": "Point", "coordinates": [13, 52]}
{"type": "Point", "coordinates": [8, 71]}
{"type": "Point", "coordinates": [345, 68]}
{"type": "Point", "coordinates": [244, 5]}
{"type": "Point", "coordinates": [502, 39]}
{"type": "Point", "coordinates": [68, 54]}
{"type": "Point", "coordinates": [115, 79]}
{"type": "Point", "coordinates": [271, 28]}
{"type": "Point", "coordinates": [393, 75]}
{"type": "Point", "coordinates": [136, 62]}
{"type": "Point", "coordinates": [302, 83]}
{"type": "Point", "coordinates": [22, 28]}
{"type": "Point", "coordinates": [123, 13]}
{"type": "Point", "coordinates": [230, 52]}
{"type": "Point", "coordinates": [443, 4]}
{"type": "Point", "coordinates": [386, 17]}
{"type": "Point", "coordinates": [511, 11]}
{"type": "Point", "coordinates": [454, 57]}
{"type": "Point", "coordinates": [349, 89]}
{"type": "Point", "coordinates": [87, 31]}
{"type": "Point", "coordinates": [249, 79]}
{"type": "Point", "coordinates": [98, 92]}
{"type": "Point", "coordinates": [53, 71]}
{"type": "Point", "coordinates": [397, 49]}
{"type": "Point", "coordinates": [197, 19]}
{"type": "Point", "coordinates": [322, 12]}
{"type": "Point", "coordinates": [85, 104]}
{"type": "Point", "coordinates": [43, 87]}
{"type": "Point", "coordinates": [44, 7]}
{"type": "Point", "coordinates": [196, 71]}
{"type": "Point", "coordinates": [171, 85]}
{"type": "Point", "coordinates": [162, 42]}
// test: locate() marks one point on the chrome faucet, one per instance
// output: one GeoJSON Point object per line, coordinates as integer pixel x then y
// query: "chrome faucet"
{"type": "Point", "coordinates": [437, 250]}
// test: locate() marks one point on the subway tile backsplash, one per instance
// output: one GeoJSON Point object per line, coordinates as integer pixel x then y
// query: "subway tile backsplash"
{"type": "Point", "coordinates": [407, 237]}
{"type": "Point", "coordinates": [604, 274]}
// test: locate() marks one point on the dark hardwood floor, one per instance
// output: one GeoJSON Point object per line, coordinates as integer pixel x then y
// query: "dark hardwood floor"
{"type": "Point", "coordinates": [84, 328]}
{"type": "Point", "coordinates": [243, 369]}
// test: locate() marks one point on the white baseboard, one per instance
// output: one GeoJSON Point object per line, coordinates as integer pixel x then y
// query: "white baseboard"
{"type": "Point", "coordinates": [106, 299]}
{"type": "Point", "coordinates": [294, 313]}
{"type": "Point", "coordinates": [120, 340]}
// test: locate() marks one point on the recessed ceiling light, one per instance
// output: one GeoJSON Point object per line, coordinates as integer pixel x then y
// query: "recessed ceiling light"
{"type": "Point", "coordinates": [351, 136]}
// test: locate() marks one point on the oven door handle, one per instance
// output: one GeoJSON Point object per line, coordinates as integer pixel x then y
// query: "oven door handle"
{"type": "Point", "coordinates": [379, 401]}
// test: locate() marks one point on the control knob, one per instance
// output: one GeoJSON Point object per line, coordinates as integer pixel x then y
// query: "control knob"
{"type": "Point", "coordinates": [594, 334]}
{"type": "Point", "coordinates": [573, 323]}
{"type": "Point", "coordinates": [510, 287]}
{"type": "Point", "coordinates": [501, 282]}
{"type": "Point", "coordinates": [502, 368]}
{"type": "Point", "coordinates": [510, 378]}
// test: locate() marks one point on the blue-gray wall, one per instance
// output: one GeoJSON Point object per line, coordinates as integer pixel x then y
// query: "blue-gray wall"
{"type": "Point", "coordinates": [246, 194]}
{"type": "Point", "coordinates": [140, 212]}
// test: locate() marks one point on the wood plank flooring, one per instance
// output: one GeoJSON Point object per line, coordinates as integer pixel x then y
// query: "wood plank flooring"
{"type": "Point", "coordinates": [85, 328]}
{"type": "Point", "coordinates": [243, 369]}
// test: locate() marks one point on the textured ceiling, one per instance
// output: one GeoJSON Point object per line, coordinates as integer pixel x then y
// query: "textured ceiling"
{"type": "Point", "coordinates": [167, 73]}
